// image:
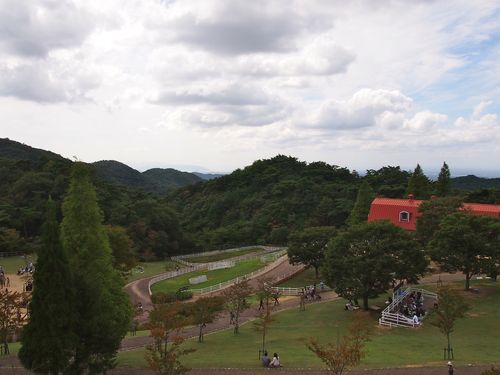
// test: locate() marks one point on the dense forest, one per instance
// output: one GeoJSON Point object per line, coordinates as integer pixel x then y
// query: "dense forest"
{"type": "Point", "coordinates": [26, 184]}
{"type": "Point", "coordinates": [262, 203]}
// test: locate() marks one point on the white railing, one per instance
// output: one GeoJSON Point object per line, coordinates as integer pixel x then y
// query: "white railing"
{"type": "Point", "coordinates": [287, 291]}
{"type": "Point", "coordinates": [395, 319]}
{"type": "Point", "coordinates": [172, 274]}
{"type": "Point", "coordinates": [250, 275]}
{"type": "Point", "coordinates": [240, 258]}
{"type": "Point", "coordinates": [199, 266]}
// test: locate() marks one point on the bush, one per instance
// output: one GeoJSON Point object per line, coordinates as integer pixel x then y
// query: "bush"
{"type": "Point", "coordinates": [492, 371]}
{"type": "Point", "coordinates": [162, 297]}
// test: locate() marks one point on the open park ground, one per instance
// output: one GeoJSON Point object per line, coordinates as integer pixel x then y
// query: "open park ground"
{"type": "Point", "coordinates": [476, 339]}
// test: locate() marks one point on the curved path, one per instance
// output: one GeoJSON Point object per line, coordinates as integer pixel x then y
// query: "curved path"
{"type": "Point", "coordinates": [138, 290]}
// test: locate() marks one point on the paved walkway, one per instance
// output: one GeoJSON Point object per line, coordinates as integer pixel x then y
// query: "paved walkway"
{"type": "Point", "coordinates": [138, 290]}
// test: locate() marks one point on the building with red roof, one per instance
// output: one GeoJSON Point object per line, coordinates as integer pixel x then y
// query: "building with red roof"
{"type": "Point", "coordinates": [404, 212]}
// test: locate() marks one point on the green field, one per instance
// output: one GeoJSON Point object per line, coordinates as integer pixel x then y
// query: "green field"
{"type": "Point", "coordinates": [222, 256]}
{"type": "Point", "coordinates": [152, 269]}
{"type": "Point", "coordinates": [12, 264]}
{"type": "Point", "coordinates": [304, 278]}
{"type": "Point", "coordinates": [475, 340]}
{"type": "Point", "coordinates": [214, 277]}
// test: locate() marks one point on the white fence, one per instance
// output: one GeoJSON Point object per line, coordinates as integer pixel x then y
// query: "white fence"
{"type": "Point", "coordinates": [395, 319]}
{"type": "Point", "coordinates": [213, 288]}
{"type": "Point", "coordinates": [198, 266]}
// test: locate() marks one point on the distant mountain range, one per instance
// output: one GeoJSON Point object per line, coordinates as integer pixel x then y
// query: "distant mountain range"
{"type": "Point", "coordinates": [154, 180]}
{"type": "Point", "coordinates": [160, 180]}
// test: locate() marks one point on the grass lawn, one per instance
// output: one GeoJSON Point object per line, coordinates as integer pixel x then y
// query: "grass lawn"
{"type": "Point", "coordinates": [214, 277]}
{"type": "Point", "coordinates": [475, 340]}
{"type": "Point", "coordinates": [152, 269]}
{"type": "Point", "coordinates": [304, 278]}
{"type": "Point", "coordinates": [12, 264]}
{"type": "Point", "coordinates": [222, 256]}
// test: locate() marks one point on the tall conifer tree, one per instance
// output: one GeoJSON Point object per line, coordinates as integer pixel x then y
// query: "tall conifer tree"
{"type": "Point", "coordinates": [104, 308]}
{"type": "Point", "coordinates": [48, 340]}
{"type": "Point", "coordinates": [418, 185]}
{"type": "Point", "coordinates": [359, 213]}
{"type": "Point", "coordinates": [443, 184]}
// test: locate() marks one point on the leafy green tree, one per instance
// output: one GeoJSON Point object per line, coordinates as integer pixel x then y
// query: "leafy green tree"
{"type": "Point", "coordinates": [203, 311]}
{"type": "Point", "coordinates": [359, 213]}
{"type": "Point", "coordinates": [451, 306]}
{"type": "Point", "coordinates": [11, 315]}
{"type": "Point", "coordinates": [10, 241]}
{"type": "Point", "coordinates": [122, 248]}
{"type": "Point", "coordinates": [443, 183]}
{"type": "Point", "coordinates": [236, 300]}
{"type": "Point", "coordinates": [466, 243]}
{"type": "Point", "coordinates": [165, 322]}
{"type": "Point", "coordinates": [419, 184]}
{"type": "Point", "coordinates": [389, 181]}
{"type": "Point", "coordinates": [104, 309]}
{"type": "Point", "coordinates": [368, 258]}
{"type": "Point", "coordinates": [308, 246]}
{"type": "Point", "coordinates": [347, 351]}
{"type": "Point", "coordinates": [48, 343]}
{"type": "Point", "coordinates": [432, 214]}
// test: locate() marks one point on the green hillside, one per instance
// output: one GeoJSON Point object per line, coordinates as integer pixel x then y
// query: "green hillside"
{"type": "Point", "coordinates": [263, 202]}
{"type": "Point", "coordinates": [472, 182]}
{"type": "Point", "coordinates": [168, 178]}
{"type": "Point", "coordinates": [119, 173]}
{"type": "Point", "coordinates": [13, 150]}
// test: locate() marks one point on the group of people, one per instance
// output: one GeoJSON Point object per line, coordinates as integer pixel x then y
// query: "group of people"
{"type": "Point", "coordinates": [310, 293]}
{"type": "Point", "coordinates": [271, 363]}
{"type": "Point", "coordinates": [412, 306]}
{"type": "Point", "coordinates": [29, 268]}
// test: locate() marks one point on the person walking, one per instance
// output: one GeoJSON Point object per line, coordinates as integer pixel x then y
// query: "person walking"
{"type": "Point", "coordinates": [450, 368]}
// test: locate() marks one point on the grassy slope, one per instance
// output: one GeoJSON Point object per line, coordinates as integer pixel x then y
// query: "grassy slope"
{"type": "Point", "coordinates": [304, 278]}
{"type": "Point", "coordinates": [214, 277]}
{"type": "Point", "coordinates": [12, 264]}
{"type": "Point", "coordinates": [222, 256]}
{"type": "Point", "coordinates": [475, 339]}
{"type": "Point", "coordinates": [152, 269]}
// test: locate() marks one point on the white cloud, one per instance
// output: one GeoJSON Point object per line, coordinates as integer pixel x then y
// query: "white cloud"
{"type": "Point", "coordinates": [361, 110]}
{"type": "Point", "coordinates": [312, 76]}
{"type": "Point", "coordinates": [33, 29]}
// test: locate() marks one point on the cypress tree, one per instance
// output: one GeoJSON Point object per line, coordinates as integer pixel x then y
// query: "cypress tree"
{"type": "Point", "coordinates": [443, 184]}
{"type": "Point", "coordinates": [103, 306]}
{"type": "Point", "coordinates": [48, 340]}
{"type": "Point", "coordinates": [359, 213]}
{"type": "Point", "coordinates": [418, 185]}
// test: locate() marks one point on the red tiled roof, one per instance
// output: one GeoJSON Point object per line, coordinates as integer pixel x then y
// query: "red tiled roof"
{"type": "Point", "coordinates": [479, 207]}
{"type": "Point", "coordinates": [397, 202]}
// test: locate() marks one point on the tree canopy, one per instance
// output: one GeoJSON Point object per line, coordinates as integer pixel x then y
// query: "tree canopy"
{"type": "Point", "coordinates": [103, 307]}
{"type": "Point", "coordinates": [47, 343]}
{"type": "Point", "coordinates": [467, 243]}
{"type": "Point", "coordinates": [308, 246]}
{"type": "Point", "coordinates": [367, 259]}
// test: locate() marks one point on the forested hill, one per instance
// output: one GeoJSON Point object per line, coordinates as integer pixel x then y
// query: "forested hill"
{"type": "Point", "coordinates": [168, 178]}
{"type": "Point", "coordinates": [263, 202]}
{"type": "Point", "coordinates": [154, 180]}
{"type": "Point", "coordinates": [13, 150]}
{"type": "Point", "coordinates": [472, 182]}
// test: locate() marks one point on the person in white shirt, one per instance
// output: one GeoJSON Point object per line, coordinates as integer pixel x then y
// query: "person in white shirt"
{"type": "Point", "coordinates": [275, 361]}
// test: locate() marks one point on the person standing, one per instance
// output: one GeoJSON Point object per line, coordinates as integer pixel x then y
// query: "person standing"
{"type": "Point", "coordinates": [450, 368]}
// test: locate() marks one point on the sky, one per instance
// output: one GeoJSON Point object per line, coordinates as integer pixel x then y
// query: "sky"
{"type": "Point", "coordinates": [214, 85]}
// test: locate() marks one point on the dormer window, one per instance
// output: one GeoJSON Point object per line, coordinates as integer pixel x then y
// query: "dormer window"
{"type": "Point", "coordinates": [404, 216]}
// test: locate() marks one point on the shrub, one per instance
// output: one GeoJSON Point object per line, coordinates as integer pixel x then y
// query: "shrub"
{"type": "Point", "coordinates": [162, 297]}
